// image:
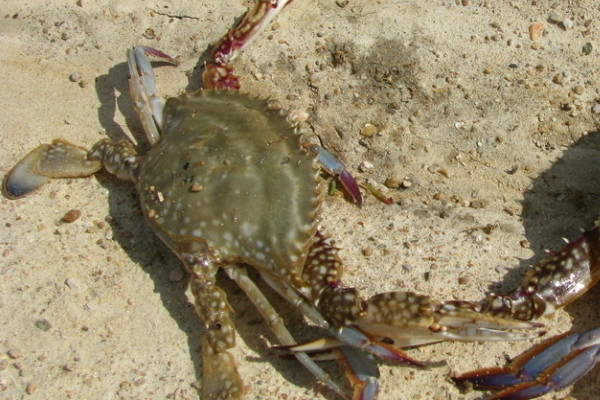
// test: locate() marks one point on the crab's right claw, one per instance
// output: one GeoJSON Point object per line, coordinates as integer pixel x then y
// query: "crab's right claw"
{"type": "Point", "coordinates": [60, 159]}
{"type": "Point", "coordinates": [553, 365]}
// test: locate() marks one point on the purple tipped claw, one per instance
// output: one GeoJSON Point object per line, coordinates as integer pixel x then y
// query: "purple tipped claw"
{"type": "Point", "coordinates": [551, 366]}
{"type": "Point", "coordinates": [335, 167]}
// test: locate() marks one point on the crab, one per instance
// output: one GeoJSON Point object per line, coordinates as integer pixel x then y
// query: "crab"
{"type": "Point", "coordinates": [229, 184]}
{"type": "Point", "coordinates": [557, 362]}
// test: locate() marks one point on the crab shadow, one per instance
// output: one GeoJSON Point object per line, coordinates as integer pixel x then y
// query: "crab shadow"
{"type": "Point", "coordinates": [560, 203]}
{"type": "Point", "coordinates": [157, 261]}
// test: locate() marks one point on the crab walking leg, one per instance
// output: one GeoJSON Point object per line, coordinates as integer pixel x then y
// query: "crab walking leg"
{"type": "Point", "coordinates": [218, 73]}
{"type": "Point", "coordinates": [220, 378]}
{"type": "Point", "coordinates": [551, 366]}
{"type": "Point", "coordinates": [554, 282]}
{"type": "Point", "coordinates": [276, 325]}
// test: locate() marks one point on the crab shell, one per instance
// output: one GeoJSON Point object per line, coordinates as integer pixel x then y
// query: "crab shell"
{"type": "Point", "coordinates": [229, 178]}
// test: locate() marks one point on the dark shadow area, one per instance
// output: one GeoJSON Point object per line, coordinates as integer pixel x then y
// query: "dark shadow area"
{"type": "Point", "coordinates": [145, 249]}
{"type": "Point", "coordinates": [561, 202]}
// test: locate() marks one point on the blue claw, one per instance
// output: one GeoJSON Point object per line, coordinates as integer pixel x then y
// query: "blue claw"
{"type": "Point", "coordinates": [362, 371]}
{"type": "Point", "coordinates": [335, 167]}
{"type": "Point", "coordinates": [551, 366]}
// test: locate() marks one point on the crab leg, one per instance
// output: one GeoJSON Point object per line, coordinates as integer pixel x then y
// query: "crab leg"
{"type": "Point", "coordinates": [404, 319]}
{"type": "Point", "coordinates": [218, 74]}
{"type": "Point", "coordinates": [62, 159]}
{"type": "Point", "coordinates": [552, 365]}
{"type": "Point", "coordinates": [553, 283]}
{"type": "Point", "coordinates": [276, 325]}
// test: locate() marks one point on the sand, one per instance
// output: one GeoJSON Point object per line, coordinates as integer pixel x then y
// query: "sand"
{"type": "Point", "coordinates": [489, 135]}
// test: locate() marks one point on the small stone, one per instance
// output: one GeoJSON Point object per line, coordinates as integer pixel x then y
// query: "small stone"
{"type": "Point", "coordinates": [536, 30]}
{"type": "Point", "coordinates": [587, 48]}
{"type": "Point", "coordinates": [369, 130]}
{"type": "Point", "coordinates": [555, 19]}
{"type": "Point", "coordinates": [176, 275]}
{"type": "Point", "coordinates": [567, 23]}
{"type": "Point", "coordinates": [365, 166]}
{"type": "Point", "coordinates": [71, 216]}
{"type": "Point", "coordinates": [578, 89]}
{"type": "Point", "coordinates": [31, 388]}
{"type": "Point", "coordinates": [559, 79]}
{"type": "Point", "coordinates": [14, 354]}
{"type": "Point", "coordinates": [196, 187]}
{"type": "Point", "coordinates": [75, 77]}
{"type": "Point", "coordinates": [43, 324]}
{"type": "Point", "coordinates": [596, 108]}
{"type": "Point", "coordinates": [392, 183]}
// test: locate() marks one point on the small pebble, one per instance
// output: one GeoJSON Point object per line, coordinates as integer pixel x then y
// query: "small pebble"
{"type": "Point", "coordinates": [567, 23]}
{"type": "Point", "coordinates": [71, 216]}
{"type": "Point", "coordinates": [536, 30]}
{"type": "Point", "coordinates": [368, 130]}
{"type": "Point", "coordinates": [14, 354]}
{"type": "Point", "coordinates": [392, 183]}
{"type": "Point", "coordinates": [31, 388]}
{"type": "Point", "coordinates": [578, 89]}
{"type": "Point", "coordinates": [587, 48]}
{"type": "Point", "coordinates": [43, 324]}
{"type": "Point", "coordinates": [75, 77]}
{"type": "Point", "coordinates": [365, 166]}
{"type": "Point", "coordinates": [559, 79]}
{"type": "Point", "coordinates": [555, 19]}
{"type": "Point", "coordinates": [176, 275]}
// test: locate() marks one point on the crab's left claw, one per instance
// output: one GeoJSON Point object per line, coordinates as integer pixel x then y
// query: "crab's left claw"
{"type": "Point", "coordinates": [335, 167]}
{"type": "Point", "coordinates": [60, 159]}
{"type": "Point", "coordinates": [553, 365]}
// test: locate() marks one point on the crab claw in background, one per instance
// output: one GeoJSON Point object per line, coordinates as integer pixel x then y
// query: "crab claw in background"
{"type": "Point", "coordinates": [335, 167]}
{"type": "Point", "coordinates": [60, 159]}
{"type": "Point", "coordinates": [553, 365]}
{"type": "Point", "coordinates": [354, 338]}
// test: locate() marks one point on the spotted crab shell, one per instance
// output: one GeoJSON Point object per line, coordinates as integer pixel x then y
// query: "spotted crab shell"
{"type": "Point", "coordinates": [230, 179]}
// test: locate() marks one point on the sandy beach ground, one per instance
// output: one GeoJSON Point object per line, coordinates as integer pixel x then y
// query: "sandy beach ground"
{"type": "Point", "coordinates": [486, 139]}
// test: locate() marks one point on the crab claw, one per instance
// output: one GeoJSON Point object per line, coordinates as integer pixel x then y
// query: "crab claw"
{"type": "Point", "coordinates": [553, 365]}
{"type": "Point", "coordinates": [360, 366]}
{"type": "Point", "coordinates": [60, 159]}
{"type": "Point", "coordinates": [362, 371]}
{"type": "Point", "coordinates": [409, 319]}
{"type": "Point", "coordinates": [335, 167]}
{"type": "Point", "coordinates": [351, 336]}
